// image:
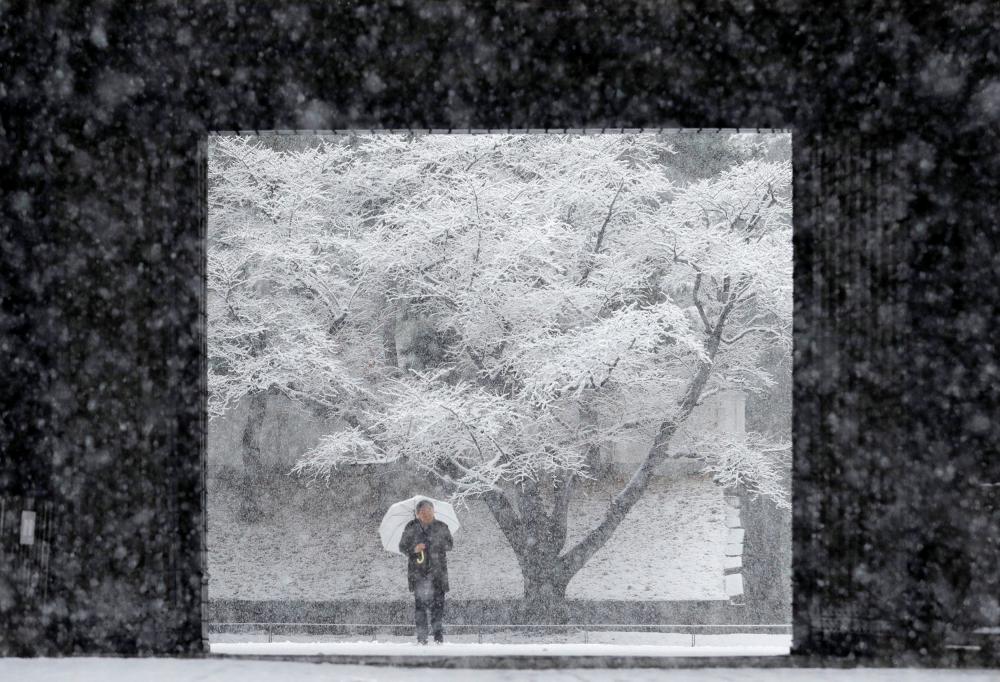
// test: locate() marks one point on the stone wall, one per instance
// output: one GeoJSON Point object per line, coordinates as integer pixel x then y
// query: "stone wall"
{"type": "Point", "coordinates": [730, 413]}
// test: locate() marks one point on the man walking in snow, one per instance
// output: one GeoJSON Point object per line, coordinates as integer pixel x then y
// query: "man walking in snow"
{"type": "Point", "coordinates": [425, 542]}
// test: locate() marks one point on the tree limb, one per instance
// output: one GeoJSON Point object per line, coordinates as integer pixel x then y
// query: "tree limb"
{"type": "Point", "coordinates": [623, 502]}
{"type": "Point", "coordinates": [468, 428]}
{"type": "Point", "coordinates": [560, 510]}
{"type": "Point", "coordinates": [339, 320]}
{"type": "Point", "coordinates": [701, 308]}
{"type": "Point", "coordinates": [615, 363]}
{"type": "Point", "coordinates": [532, 513]}
{"type": "Point", "coordinates": [739, 336]}
{"type": "Point", "coordinates": [506, 517]}
{"type": "Point", "coordinates": [332, 305]}
{"type": "Point", "coordinates": [684, 261]}
{"type": "Point", "coordinates": [476, 360]}
{"type": "Point", "coordinates": [475, 258]}
{"type": "Point", "coordinates": [600, 233]}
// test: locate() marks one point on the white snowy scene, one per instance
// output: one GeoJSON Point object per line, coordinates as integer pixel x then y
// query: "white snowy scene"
{"type": "Point", "coordinates": [572, 353]}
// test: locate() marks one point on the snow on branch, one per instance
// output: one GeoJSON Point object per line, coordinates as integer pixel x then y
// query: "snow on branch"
{"type": "Point", "coordinates": [554, 275]}
{"type": "Point", "coordinates": [342, 448]}
{"type": "Point", "coordinates": [758, 465]}
{"type": "Point", "coordinates": [619, 347]}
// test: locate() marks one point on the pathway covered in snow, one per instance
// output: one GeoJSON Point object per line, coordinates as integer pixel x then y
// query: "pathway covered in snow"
{"type": "Point", "coordinates": [773, 646]}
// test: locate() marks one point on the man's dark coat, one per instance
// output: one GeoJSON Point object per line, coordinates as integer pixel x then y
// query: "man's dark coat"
{"type": "Point", "coordinates": [437, 537]}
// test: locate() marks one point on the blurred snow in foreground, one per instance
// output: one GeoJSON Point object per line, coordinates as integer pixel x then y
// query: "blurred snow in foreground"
{"type": "Point", "coordinates": [226, 670]}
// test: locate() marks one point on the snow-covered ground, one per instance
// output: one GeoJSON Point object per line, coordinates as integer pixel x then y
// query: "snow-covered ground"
{"type": "Point", "coordinates": [761, 645]}
{"type": "Point", "coordinates": [670, 547]}
{"type": "Point", "coordinates": [505, 637]}
{"type": "Point", "coordinates": [231, 670]}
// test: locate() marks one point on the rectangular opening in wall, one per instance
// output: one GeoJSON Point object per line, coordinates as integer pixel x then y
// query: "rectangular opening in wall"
{"type": "Point", "coordinates": [576, 346]}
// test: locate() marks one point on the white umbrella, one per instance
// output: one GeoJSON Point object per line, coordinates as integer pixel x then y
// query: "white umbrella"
{"type": "Point", "coordinates": [401, 513]}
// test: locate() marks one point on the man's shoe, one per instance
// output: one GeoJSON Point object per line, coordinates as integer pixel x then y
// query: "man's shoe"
{"type": "Point", "coordinates": [421, 641]}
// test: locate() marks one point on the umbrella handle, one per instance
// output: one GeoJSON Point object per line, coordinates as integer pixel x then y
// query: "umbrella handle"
{"type": "Point", "coordinates": [420, 559]}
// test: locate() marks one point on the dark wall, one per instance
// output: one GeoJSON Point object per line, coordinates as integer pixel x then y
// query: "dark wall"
{"type": "Point", "coordinates": [895, 109]}
{"type": "Point", "coordinates": [767, 561]}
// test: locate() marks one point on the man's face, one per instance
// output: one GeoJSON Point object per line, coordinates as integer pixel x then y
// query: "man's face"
{"type": "Point", "coordinates": [426, 514]}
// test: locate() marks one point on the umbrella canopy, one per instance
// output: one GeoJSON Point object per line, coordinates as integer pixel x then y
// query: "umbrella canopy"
{"type": "Point", "coordinates": [401, 513]}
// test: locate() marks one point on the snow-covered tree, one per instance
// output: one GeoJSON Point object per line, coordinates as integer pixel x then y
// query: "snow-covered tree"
{"type": "Point", "coordinates": [505, 305]}
{"type": "Point", "coordinates": [278, 291]}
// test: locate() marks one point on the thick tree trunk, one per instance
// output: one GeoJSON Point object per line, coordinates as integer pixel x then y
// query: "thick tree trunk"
{"type": "Point", "coordinates": [250, 510]}
{"type": "Point", "coordinates": [536, 540]}
{"type": "Point", "coordinates": [537, 537]}
{"type": "Point", "coordinates": [545, 577]}
{"type": "Point", "coordinates": [545, 596]}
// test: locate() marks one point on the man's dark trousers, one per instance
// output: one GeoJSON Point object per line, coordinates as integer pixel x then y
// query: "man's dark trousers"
{"type": "Point", "coordinates": [432, 600]}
